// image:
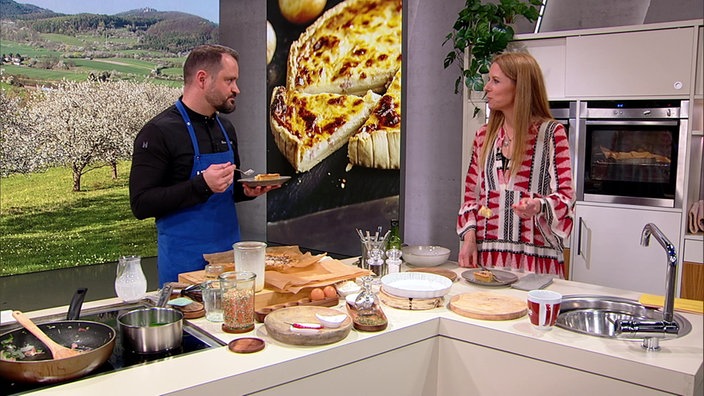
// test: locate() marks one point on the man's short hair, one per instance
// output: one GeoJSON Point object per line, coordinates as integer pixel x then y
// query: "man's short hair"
{"type": "Point", "coordinates": [206, 57]}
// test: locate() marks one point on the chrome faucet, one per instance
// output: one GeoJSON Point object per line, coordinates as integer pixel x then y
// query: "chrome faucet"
{"type": "Point", "coordinates": [652, 229]}
{"type": "Point", "coordinates": [652, 331]}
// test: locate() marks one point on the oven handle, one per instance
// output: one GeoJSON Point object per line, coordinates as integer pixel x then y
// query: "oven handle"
{"type": "Point", "coordinates": [634, 122]}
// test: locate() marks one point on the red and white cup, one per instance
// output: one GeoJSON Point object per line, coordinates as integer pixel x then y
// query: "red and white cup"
{"type": "Point", "coordinates": [543, 308]}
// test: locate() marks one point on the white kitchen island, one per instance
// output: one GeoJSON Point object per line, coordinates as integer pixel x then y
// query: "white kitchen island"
{"type": "Point", "coordinates": [432, 352]}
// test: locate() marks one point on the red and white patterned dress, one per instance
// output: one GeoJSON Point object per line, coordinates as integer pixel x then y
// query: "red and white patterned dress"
{"type": "Point", "coordinates": [503, 238]}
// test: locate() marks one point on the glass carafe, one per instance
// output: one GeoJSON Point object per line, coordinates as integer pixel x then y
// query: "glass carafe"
{"type": "Point", "coordinates": [130, 282]}
{"type": "Point", "coordinates": [366, 299]}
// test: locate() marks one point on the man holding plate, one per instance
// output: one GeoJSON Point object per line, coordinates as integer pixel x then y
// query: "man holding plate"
{"type": "Point", "coordinates": [183, 166]}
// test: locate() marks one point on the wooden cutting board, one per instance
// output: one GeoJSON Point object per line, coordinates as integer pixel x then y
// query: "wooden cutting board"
{"type": "Point", "coordinates": [278, 326]}
{"type": "Point", "coordinates": [488, 306]}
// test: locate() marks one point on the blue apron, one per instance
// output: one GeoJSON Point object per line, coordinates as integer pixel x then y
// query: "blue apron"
{"type": "Point", "coordinates": [209, 227]}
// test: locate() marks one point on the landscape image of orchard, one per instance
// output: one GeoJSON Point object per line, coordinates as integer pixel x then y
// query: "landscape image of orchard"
{"type": "Point", "coordinates": [74, 92]}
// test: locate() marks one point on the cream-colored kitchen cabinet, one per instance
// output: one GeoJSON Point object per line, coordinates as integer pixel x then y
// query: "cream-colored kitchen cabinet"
{"type": "Point", "coordinates": [411, 370]}
{"type": "Point", "coordinates": [472, 369]}
{"type": "Point", "coordinates": [651, 64]}
{"type": "Point", "coordinates": [550, 54]}
{"type": "Point", "coordinates": [606, 247]}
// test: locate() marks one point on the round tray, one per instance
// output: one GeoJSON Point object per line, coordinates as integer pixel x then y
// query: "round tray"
{"type": "Point", "coordinates": [413, 304]}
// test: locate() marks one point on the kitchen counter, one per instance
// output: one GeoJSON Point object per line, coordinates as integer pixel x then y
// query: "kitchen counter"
{"type": "Point", "coordinates": [449, 353]}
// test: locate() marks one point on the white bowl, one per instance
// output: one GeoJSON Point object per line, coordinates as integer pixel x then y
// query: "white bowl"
{"type": "Point", "coordinates": [425, 255]}
{"type": "Point", "coordinates": [331, 321]}
{"type": "Point", "coordinates": [416, 285]}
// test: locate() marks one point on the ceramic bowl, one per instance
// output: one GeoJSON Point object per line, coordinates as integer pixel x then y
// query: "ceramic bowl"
{"type": "Point", "coordinates": [331, 321]}
{"type": "Point", "coordinates": [425, 255]}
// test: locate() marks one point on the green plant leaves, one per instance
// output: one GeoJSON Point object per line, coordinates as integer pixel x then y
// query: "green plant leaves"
{"type": "Point", "coordinates": [484, 30]}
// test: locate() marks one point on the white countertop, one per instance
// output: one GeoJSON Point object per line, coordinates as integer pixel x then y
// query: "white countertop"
{"type": "Point", "coordinates": [677, 367]}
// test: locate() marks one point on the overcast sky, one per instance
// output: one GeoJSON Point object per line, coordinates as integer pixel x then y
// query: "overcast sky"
{"type": "Point", "coordinates": [208, 9]}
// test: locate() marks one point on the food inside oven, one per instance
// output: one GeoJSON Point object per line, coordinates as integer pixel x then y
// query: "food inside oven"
{"type": "Point", "coordinates": [630, 166]}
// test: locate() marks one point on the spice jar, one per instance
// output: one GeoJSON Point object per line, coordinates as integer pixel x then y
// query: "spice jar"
{"type": "Point", "coordinates": [237, 301]}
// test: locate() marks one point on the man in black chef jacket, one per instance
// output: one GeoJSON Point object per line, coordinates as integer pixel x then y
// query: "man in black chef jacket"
{"type": "Point", "coordinates": [183, 166]}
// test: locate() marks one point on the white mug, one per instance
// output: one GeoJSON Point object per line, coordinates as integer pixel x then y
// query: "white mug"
{"type": "Point", "coordinates": [543, 308]}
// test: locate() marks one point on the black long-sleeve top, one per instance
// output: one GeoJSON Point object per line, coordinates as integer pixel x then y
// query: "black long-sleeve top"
{"type": "Point", "coordinates": [160, 181]}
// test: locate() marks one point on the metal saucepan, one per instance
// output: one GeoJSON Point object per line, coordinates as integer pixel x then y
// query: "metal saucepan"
{"type": "Point", "coordinates": [154, 329]}
{"type": "Point", "coordinates": [96, 340]}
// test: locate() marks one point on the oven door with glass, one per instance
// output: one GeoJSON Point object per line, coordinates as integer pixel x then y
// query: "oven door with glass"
{"type": "Point", "coordinates": [633, 160]}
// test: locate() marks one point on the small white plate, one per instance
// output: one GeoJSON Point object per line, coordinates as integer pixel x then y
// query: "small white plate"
{"type": "Point", "coordinates": [250, 181]}
{"type": "Point", "coordinates": [416, 285]}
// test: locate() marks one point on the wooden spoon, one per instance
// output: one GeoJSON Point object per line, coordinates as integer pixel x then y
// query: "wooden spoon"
{"type": "Point", "coordinates": [57, 351]}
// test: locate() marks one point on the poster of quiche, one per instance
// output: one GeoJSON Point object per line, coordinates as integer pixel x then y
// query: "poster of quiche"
{"type": "Point", "coordinates": [342, 84]}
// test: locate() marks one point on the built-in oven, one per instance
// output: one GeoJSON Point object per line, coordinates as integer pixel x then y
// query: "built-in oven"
{"type": "Point", "coordinates": [631, 152]}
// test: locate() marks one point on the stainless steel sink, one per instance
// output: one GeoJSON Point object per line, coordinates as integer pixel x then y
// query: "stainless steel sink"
{"type": "Point", "coordinates": [599, 316]}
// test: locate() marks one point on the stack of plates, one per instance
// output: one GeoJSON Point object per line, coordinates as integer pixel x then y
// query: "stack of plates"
{"type": "Point", "coordinates": [416, 285]}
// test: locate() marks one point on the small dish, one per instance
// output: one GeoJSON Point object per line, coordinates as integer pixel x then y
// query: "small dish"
{"type": "Point", "coordinates": [351, 298]}
{"type": "Point", "coordinates": [346, 288]}
{"type": "Point", "coordinates": [246, 345]}
{"type": "Point", "coordinates": [331, 321]}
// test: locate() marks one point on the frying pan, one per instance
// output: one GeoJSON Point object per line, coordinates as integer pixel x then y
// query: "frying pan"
{"type": "Point", "coordinates": [97, 341]}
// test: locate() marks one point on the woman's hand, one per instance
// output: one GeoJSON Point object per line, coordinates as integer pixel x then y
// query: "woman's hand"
{"type": "Point", "coordinates": [468, 250]}
{"type": "Point", "coordinates": [527, 207]}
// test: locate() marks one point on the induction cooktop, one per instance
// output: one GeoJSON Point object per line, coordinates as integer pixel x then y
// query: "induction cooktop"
{"type": "Point", "coordinates": [194, 340]}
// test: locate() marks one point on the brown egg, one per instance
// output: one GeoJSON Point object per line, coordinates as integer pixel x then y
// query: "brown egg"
{"type": "Point", "coordinates": [330, 291]}
{"type": "Point", "coordinates": [317, 294]}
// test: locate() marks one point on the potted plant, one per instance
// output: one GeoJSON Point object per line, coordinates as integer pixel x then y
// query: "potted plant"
{"type": "Point", "coordinates": [482, 31]}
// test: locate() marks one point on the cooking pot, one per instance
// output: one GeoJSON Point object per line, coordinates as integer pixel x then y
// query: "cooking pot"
{"type": "Point", "coordinates": [154, 329]}
{"type": "Point", "coordinates": [96, 340]}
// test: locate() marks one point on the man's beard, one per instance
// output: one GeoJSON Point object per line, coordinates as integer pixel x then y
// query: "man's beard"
{"type": "Point", "coordinates": [221, 105]}
{"type": "Point", "coordinates": [225, 107]}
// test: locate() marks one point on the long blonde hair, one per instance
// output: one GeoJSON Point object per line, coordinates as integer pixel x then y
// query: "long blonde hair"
{"type": "Point", "coordinates": [530, 104]}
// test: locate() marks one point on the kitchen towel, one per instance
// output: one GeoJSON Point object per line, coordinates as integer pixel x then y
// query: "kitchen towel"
{"type": "Point", "coordinates": [696, 217]}
{"type": "Point", "coordinates": [533, 282]}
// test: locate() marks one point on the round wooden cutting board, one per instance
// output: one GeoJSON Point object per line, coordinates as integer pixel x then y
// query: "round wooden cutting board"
{"type": "Point", "coordinates": [278, 325]}
{"type": "Point", "coordinates": [488, 306]}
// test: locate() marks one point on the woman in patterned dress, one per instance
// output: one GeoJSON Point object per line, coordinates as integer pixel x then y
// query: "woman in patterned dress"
{"type": "Point", "coordinates": [519, 196]}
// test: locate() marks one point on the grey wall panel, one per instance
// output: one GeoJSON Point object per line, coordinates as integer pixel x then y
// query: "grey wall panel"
{"type": "Point", "coordinates": [432, 158]}
{"type": "Point", "coordinates": [243, 27]}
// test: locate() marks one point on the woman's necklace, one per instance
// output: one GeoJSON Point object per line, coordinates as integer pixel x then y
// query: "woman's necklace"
{"type": "Point", "coordinates": [505, 139]}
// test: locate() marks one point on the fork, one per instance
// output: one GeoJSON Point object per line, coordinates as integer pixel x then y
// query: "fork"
{"type": "Point", "coordinates": [247, 172]}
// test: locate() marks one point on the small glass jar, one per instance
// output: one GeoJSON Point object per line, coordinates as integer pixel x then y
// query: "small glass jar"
{"type": "Point", "coordinates": [237, 301]}
{"type": "Point", "coordinates": [212, 300]}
